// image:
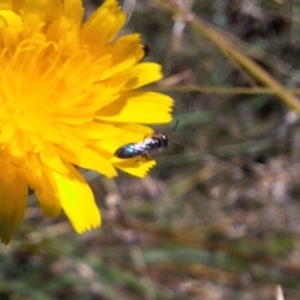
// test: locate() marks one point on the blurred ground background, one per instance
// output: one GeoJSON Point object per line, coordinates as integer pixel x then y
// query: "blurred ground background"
{"type": "Point", "coordinates": [217, 220]}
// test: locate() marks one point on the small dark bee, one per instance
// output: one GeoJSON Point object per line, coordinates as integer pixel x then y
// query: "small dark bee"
{"type": "Point", "coordinates": [148, 145]}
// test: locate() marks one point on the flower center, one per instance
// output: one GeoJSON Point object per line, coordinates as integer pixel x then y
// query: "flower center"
{"type": "Point", "coordinates": [24, 98]}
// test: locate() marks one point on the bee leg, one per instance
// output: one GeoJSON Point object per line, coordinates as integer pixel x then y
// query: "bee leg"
{"type": "Point", "coordinates": [147, 156]}
{"type": "Point", "coordinates": [142, 157]}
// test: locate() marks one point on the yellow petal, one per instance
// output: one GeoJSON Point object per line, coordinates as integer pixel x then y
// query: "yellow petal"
{"type": "Point", "coordinates": [6, 4]}
{"type": "Point", "coordinates": [121, 55]}
{"type": "Point", "coordinates": [39, 12]}
{"type": "Point", "coordinates": [103, 26]}
{"type": "Point", "coordinates": [89, 158]}
{"type": "Point", "coordinates": [52, 160]}
{"type": "Point", "coordinates": [10, 20]}
{"type": "Point", "coordinates": [135, 77]}
{"type": "Point", "coordinates": [41, 7]}
{"type": "Point", "coordinates": [11, 26]}
{"type": "Point", "coordinates": [73, 9]}
{"type": "Point", "coordinates": [13, 199]}
{"type": "Point", "coordinates": [137, 167]}
{"type": "Point", "coordinates": [48, 199]}
{"type": "Point", "coordinates": [77, 200]}
{"type": "Point", "coordinates": [98, 131]}
{"type": "Point", "coordinates": [41, 181]}
{"type": "Point", "coordinates": [139, 107]}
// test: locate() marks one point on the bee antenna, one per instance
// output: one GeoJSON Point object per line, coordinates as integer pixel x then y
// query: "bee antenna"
{"type": "Point", "coordinates": [176, 125]}
{"type": "Point", "coordinates": [177, 143]}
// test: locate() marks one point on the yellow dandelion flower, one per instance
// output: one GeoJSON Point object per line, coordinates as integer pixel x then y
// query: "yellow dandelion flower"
{"type": "Point", "coordinates": [69, 97]}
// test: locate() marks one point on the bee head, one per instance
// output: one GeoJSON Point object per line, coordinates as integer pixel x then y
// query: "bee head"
{"type": "Point", "coordinates": [164, 140]}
